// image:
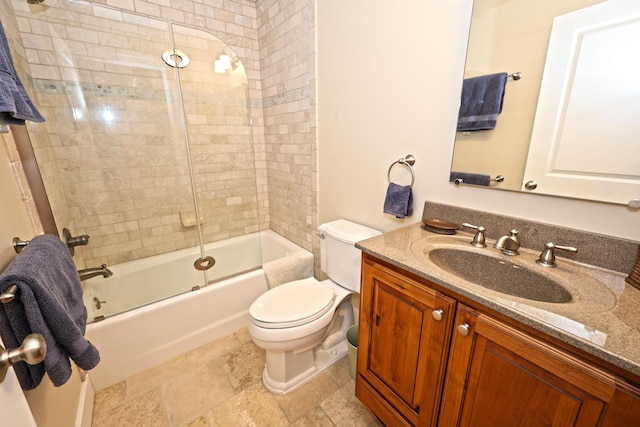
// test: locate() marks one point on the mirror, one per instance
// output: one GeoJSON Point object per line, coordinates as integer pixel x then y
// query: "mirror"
{"type": "Point", "coordinates": [512, 36]}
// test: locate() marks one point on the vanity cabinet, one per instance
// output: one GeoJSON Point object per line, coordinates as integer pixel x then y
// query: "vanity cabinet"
{"type": "Point", "coordinates": [501, 376]}
{"type": "Point", "coordinates": [403, 338]}
{"type": "Point", "coordinates": [425, 358]}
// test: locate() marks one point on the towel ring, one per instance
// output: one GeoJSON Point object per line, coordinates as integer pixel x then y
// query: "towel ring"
{"type": "Point", "coordinates": [407, 161]}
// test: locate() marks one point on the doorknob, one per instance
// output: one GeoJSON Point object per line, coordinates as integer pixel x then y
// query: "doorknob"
{"type": "Point", "coordinates": [32, 351]}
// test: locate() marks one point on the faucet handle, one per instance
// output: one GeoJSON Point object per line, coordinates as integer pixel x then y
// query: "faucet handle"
{"type": "Point", "coordinates": [478, 240]}
{"type": "Point", "coordinates": [548, 258]}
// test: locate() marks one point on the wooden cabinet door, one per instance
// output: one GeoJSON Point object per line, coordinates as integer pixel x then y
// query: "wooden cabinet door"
{"type": "Point", "coordinates": [403, 339]}
{"type": "Point", "coordinates": [499, 376]}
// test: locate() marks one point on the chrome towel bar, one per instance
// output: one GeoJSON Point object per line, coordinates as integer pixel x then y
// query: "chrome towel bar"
{"type": "Point", "coordinates": [68, 239]}
{"type": "Point", "coordinates": [498, 178]}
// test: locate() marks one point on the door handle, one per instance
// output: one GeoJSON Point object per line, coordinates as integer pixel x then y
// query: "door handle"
{"type": "Point", "coordinates": [32, 351]}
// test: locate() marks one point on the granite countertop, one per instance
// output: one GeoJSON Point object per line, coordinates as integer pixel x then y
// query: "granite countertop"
{"type": "Point", "coordinates": [602, 319]}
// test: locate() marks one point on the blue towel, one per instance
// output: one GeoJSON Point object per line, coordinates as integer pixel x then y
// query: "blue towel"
{"type": "Point", "coordinates": [15, 104]}
{"type": "Point", "coordinates": [470, 178]}
{"type": "Point", "coordinates": [399, 200]}
{"type": "Point", "coordinates": [481, 102]}
{"type": "Point", "coordinates": [49, 302]}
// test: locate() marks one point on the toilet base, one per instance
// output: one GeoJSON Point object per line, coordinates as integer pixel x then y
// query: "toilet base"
{"type": "Point", "coordinates": [302, 367]}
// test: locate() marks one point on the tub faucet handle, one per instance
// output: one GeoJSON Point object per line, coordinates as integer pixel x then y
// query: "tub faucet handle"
{"type": "Point", "coordinates": [478, 240]}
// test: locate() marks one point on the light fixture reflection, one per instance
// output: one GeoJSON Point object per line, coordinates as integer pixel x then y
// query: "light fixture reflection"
{"type": "Point", "coordinates": [108, 116]}
{"type": "Point", "coordinates": [218, 67]}
{"type": "Point", "coordinates": [226, 61]}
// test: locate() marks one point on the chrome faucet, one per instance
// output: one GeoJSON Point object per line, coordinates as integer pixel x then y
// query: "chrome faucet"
{"type": "Point", "coordinates": [510, 244]}
{"type": "Point", "coordinates": [88, 273]}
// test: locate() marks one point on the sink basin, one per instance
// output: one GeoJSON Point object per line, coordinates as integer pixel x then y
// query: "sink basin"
{"type": "Point", "coordinates": [499, 275]}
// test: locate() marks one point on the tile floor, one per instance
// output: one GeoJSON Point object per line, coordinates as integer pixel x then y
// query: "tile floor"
{"type": "Point", "coordinates": [219, 384]}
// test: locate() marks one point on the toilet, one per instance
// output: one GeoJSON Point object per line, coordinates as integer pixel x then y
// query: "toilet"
{"type": "Point", "coordinates": [302, 324]}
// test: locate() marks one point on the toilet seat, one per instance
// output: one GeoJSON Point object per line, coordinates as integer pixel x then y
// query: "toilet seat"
{"type": "Point", "coordinates": [292, 304]}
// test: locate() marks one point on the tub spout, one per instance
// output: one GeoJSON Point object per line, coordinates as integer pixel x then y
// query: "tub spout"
{"type": "Point", "coordinates": [88, 273]}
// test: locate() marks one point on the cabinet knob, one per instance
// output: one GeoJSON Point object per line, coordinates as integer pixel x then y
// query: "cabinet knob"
{"type": "Point", "coordinates": [438, 314]}
{"type": "Point", "coordinates": [464, 329]}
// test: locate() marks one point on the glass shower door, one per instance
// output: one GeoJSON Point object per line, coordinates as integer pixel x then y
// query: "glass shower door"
{"type": "Point", "coordinates": [215, 99]}
{"type": "Point", "coordinates": [113, 153]}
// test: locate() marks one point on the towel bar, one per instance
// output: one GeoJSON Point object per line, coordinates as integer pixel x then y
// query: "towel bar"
{"type": "Point", "coordinates": [498, 178]}
{"type": "Point", "coordinates": [515, 76]}
{"type": "Point", "coordinates": [69, 240]}
{"type": "Point", "coordinates": [9, 295]}
{"type": "Point", "coordinates": [19, 244]}
{"type": "Point", "coordinates": [407, 161]}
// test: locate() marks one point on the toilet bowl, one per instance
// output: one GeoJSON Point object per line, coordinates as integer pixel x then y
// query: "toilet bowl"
{"type": "Point", "coordinates": [302, 324]}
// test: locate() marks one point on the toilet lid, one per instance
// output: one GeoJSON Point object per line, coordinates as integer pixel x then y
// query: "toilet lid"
{"type": "Point", "coordinates": [292, 304]}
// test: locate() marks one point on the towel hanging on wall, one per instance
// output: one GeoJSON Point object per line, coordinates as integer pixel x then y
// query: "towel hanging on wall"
{"type": "Point", "coordinates": [399, 200]}
{"type": "Point", "coordinates": [15, 104]}
{"type": "Point", "coordinates": [482, 99]}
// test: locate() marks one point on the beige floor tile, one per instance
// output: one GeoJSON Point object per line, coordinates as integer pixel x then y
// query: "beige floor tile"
{"type": "Point", "coordinates": [196, 392]}
{"type": "Point", "coordinates": [143, 411]}
{"type": "Point", "coordinates": [344, 408]}
{"type": "Point", "coordinates": [198, 422]}
{"type": "Point", "coordinates": [244, 365]}
{"type": "Point", "coordinates": [314, 418]}
{"type": "Point", "coordinates": [339, 371]}
{"type": "Point", "coordinates": [301, 401]}
{"type": "Point", "coordinates": [212, 350]}
{"type": "Point", "coordinates": [254, 406]}
{"type": "Point", "coordinates": [110, 397]}
{"type": "Point", "coordinates": [155, 376]}
{"type": "Point", "coordinates": [219, 385]}
{"type": "Point", "coordinates": [243, 335]}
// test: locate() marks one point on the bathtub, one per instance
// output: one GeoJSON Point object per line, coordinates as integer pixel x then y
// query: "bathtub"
{"type": "Point", "coordinates": [137, 339]}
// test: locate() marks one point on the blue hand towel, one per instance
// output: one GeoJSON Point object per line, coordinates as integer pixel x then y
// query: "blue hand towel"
{"type": "Point", "coordinates": [15, 104]}
{"type": "Point", "coordinates": [470, 178]}
{"type": "Point", "coordinates": [399, 200]}
{"type": "Point", "coordinates": [49, 302]}
{"type": "Point", "coordinates": [481, 102]}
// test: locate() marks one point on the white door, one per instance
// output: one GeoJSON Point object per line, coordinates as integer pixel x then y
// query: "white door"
{"type": "Point", "coordinates": [586, 136]}
{"type": "Point", "coordinates": [14, 409]}
{"type": "Point", "coordinates": [14, 222]}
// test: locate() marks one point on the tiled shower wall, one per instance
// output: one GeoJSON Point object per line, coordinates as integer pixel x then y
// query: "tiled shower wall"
{"type": "Point", "coordinates": [7, 142]}
{"type": "Point", "coordinates": [286, 30]}
{"type": "Point", "coordinates": [284, 164]}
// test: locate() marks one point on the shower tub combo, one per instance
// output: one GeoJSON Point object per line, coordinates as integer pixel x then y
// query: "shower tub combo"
{"type": "Point", "coordinates": [137, 339]}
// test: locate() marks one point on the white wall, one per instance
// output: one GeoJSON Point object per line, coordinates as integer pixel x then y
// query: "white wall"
{"type": "Point", "coordinates": [389, 79]}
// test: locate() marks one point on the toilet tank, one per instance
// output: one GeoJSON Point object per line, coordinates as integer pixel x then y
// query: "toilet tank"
{"type": "Point", "coordinates": [340, 259]}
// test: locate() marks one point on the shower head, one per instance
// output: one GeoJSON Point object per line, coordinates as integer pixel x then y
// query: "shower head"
{"type": "Point", "coordinates": [35, 1]}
